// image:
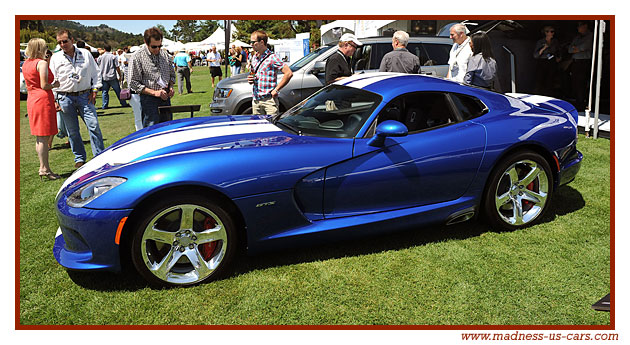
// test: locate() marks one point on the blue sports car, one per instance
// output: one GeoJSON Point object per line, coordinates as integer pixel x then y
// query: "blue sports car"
{"type": "Point", "coordinates": [368, 154]}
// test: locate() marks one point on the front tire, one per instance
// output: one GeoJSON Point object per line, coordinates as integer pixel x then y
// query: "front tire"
{"type": "Point", "coordinates": [519, 191]}
{"type": "Point", "coordinates": [183, 241]}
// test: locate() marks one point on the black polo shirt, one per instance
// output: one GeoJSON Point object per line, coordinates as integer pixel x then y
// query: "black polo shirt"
{"type": "Point", "coordinates": [338, 65]}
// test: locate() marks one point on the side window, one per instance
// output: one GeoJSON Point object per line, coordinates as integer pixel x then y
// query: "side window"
{"type": "Point", "coordinates": [417, 50]}
{"type": "Point", "coordinates": [362, 58]}
{"type": "Point", "coordinates": [379, 50]}
{"type": "Point", "coordinates": [469, 107]}
{"type": "Point", "coordinates": [436, 54]}
{"type": "Point", "coordinates": [419, 111]}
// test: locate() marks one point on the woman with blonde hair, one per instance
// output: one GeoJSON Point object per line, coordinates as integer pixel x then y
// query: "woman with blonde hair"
{"type": "Point", "coordinates": [40, 104]}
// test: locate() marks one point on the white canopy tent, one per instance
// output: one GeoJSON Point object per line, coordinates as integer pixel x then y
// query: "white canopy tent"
{"type": "Point", "coordinates": [171, 45]}
{"type": "Point", "coordinates": [240, 44]}
{"type": "Point", "coordinates": [361, 28]}
{"type": "Point", "coordinates": [218, 36]}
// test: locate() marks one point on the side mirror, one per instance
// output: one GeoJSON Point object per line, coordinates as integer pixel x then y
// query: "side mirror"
{"type": "Point", "coordinates": [389, 128]}
{"type": "Point", "coordinates": [319, 67]}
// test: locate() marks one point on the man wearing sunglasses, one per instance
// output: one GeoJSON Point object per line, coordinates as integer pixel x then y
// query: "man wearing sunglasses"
{"type": "Point", "coordinates": [151, 75]}
{"type": "Point", "coordinates": [338, 64]}
{"type": "Point", "coordinates": [264, 76]}
{"type": "Point", "coordinates": [79, 80]}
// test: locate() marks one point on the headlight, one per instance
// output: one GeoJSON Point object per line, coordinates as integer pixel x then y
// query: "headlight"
{"type": "Point", "coordinates": [93, 190]}
{"type": "Point", "coordinates": [223, 93]}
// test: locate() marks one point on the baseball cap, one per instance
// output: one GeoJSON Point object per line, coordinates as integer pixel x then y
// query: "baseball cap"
{"type": "Point", "coordinates": [347, 37]}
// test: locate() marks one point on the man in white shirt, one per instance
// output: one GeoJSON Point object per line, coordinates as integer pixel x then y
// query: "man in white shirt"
{"type": "Point", "coordinates": [79, 80]}
{"type": "Point", "coordinates": [214, 58]}
{"type": "Point", "coordinates": [460, 53]}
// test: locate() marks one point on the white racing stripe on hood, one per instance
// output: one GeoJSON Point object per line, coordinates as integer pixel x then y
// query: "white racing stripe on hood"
{"type": "Point", "coordinates": [142, 146]}
{"type": "Point", "coordinates": [361, 80]}
{"type": "Point", "coordinates": [202, 125]}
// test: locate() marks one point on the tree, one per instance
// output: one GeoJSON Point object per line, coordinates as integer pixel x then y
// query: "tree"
{"type": "Point", "coordinates": [273, 28]}
{"type": "Point", "coordinates": [165, 32]}
{"type": "Point", "coordinates": [185, 30]}
{"type": "Point", "coordinates": [206, 28]}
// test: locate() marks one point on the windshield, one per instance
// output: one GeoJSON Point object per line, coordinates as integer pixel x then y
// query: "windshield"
{"type": "Point", "coordinates": [308, 58]}
{"type": "Point", "coordinates": [335, 111]}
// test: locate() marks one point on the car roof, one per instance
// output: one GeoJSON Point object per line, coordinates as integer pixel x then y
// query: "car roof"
{"type": "Point", "coordinates": [412, 39]}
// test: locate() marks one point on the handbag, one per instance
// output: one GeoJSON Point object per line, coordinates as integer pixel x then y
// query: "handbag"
{"type": "Point", "coordinates": [125, 94]}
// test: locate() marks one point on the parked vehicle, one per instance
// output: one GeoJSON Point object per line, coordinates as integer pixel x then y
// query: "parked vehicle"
{"type": "Point", "coordinates": [368, 154]}
{"type": "Point", "coordinates": [234, 95]}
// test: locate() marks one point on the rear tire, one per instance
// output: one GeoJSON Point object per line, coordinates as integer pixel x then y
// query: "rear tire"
{"type": "Point", "coordinates": [518, 192]}
{"type": "Point", "coordinates": [182, 241]}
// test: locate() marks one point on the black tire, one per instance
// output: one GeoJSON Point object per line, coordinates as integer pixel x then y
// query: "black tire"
{"type": "Point", "coordinates": [518, 192]}
{"type": "Point", "coordinates": [178, 229]}
{"type": "Point", "coordinates": [246, 111]}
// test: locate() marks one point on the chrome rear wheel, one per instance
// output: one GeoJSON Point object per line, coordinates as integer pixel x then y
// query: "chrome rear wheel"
{"type": "Point", "coordinates": [519, 191]}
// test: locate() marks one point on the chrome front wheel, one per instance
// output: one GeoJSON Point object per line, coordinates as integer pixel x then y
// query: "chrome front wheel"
{"type": "Point", "coordinates": [183, 243]}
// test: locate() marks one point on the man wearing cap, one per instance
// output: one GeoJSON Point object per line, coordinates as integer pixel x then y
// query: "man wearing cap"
{"type": "Point", "coordinates": [338, 65]}
{"type": "Point", "coordinates": [263, 76]}
{"type": "Point", "coordinates": [184, 68]}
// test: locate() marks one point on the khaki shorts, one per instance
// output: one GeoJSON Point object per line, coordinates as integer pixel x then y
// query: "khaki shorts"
{"type": "Point", "coordinates": [265, 106]}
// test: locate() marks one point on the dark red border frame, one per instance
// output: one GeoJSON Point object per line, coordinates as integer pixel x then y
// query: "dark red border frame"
{"type": "Point", "coordinates": [611, 18]}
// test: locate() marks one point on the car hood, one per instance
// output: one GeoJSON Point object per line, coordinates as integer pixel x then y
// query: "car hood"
{"type": "Point", "coordinates": [184, 136]}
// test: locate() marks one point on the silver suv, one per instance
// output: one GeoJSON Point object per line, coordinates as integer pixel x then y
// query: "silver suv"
{"type": "Point", "coordinates": [234, 95]}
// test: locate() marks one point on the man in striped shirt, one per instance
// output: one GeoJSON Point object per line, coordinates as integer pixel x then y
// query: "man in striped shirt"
{"type": "Point", "coordinates": [264, 76]}
{"type": "Point", "coordinates": [151, 75]}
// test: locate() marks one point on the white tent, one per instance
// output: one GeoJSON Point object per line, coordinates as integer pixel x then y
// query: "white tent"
{"type": "Point", "coordinates": [361, 28]}
{"type": "Point", "coordinates": [218, 36]}
{"type": "Point", "coordinates": [171, 45]}
{"type": "Point", "coordinates": [240, 44]}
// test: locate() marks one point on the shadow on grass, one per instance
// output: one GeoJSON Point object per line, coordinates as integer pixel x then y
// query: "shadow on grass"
{"type": "Point", "coordinates": [565, 201]}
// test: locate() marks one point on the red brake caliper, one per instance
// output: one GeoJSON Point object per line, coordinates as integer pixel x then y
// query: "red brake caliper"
{"type": "Point", "coordinates": [207, 249]}
{"type": "Point", "coordinates": [528, 203]}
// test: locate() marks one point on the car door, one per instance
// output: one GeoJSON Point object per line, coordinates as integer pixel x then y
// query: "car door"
{"type": "Point", "coordinates": [435, 162]}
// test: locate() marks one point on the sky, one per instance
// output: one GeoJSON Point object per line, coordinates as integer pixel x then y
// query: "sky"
{"type": "Point", "coordinates": [130, 26]}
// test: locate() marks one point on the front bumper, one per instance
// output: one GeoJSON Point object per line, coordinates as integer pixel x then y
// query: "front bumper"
{"type": "Point", "coordinates": [569, 168]}
{"type": "Point", "coordinates": [86, 238]}
{"type": "Point", "coordinates": [219, 106]}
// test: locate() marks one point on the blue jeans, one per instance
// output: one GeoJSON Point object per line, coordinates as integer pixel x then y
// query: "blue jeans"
{"type": "Point", "coordinates": [150, 114]}
{"type": "Point", "coordinates": [114, 84]}
{"type": "Point", "coordinates": [71, 108]}
{"type": "Point", "coordinates": [61, 127]}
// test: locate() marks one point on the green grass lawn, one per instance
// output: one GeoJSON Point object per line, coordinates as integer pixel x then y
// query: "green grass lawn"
{"type": "Point", "coordinates": [465, 274]}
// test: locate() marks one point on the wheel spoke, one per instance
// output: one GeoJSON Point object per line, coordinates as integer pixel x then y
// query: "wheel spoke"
{"type": "Point", "coordinates": [199, 264]}
{"type": "Point", "coordinates": [187, 217]}
{"type": "Point", "coordinates": [157, 235]}
{"type": "Point", "coordinates": [518, 212]}
{"type": "Point", "coordinates": [164, 267]}
{"type": "Point", "coordinates": [210, 235]}
{"type": "Point", "coordinates": [531, 176]}
{"type": "Point", "coordinates": [503, 199]}
{"type": "Point", "coordinates": [534, 197]}
{"type": "Point", "coordinates": [513, 176]}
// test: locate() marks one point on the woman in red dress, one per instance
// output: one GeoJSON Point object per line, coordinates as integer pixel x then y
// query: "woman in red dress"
{"type": "Point", "coordinates": [40, 105]}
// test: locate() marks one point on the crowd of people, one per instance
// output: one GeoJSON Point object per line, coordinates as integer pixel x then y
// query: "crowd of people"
{"type": "Point", "coordinates": [63, 86]}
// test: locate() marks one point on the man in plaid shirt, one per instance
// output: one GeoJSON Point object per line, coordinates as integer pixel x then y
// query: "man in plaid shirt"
{"type": "Point", "coordinates": [264, 76]}
{"type": "Point", "coordinates": [151, 75]}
